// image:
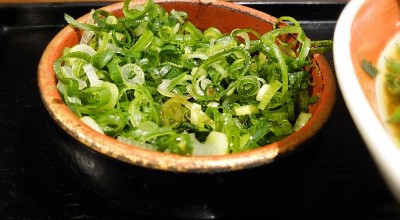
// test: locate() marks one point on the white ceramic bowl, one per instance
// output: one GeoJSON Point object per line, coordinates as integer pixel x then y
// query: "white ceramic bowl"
{"type": "Point", "coordinates": [363, 30]}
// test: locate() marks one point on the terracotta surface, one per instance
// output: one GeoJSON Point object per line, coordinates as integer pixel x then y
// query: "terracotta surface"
{"type": "Point", "coordinates": [375, 24]}
{"type": "Point", "coordinates": [222, 15]}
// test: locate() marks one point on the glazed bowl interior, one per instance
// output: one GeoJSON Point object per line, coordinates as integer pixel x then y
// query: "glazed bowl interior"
{"type": "Point", "coordinates": [226, 17]}
{"type": "Point", "coordinates": [363, 30]}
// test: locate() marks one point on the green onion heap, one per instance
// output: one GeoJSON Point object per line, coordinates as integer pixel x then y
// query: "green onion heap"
{"type": "Point", "coordinates": [154, 80]}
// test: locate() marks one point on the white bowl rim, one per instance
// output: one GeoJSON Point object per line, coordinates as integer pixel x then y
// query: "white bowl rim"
{"type": "Point", "coordinates": [383, 150]}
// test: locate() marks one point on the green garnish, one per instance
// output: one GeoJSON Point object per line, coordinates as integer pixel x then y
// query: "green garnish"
{"type": "Point", "coordinates": [394, 117]}
{"type": "Point", "coordinates": [392, 83]}
{"type": "Point", "coordinates": [153, 79]}
{"type": "Point", "coordinates": [369, 68]}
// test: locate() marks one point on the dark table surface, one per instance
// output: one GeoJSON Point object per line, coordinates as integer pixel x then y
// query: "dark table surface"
{"type": "Point", "coordinates": [343, 181]}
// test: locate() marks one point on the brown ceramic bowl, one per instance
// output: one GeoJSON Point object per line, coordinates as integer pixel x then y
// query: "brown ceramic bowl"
{"type": "Point", "coordinates": [363, 30]}
{"type": "Point", "coordinates": [171, 185]}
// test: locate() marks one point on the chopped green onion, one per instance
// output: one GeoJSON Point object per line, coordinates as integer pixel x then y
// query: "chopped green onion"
{"type": "Point", "coordinates": [151, 78]}
{"type": "Point", "coordinates": [302, 120]}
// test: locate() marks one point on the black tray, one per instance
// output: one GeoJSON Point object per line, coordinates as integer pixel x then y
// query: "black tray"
{"type": "Point", "coordinates": [343, 181]}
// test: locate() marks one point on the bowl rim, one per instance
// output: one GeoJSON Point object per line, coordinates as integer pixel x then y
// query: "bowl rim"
{"type": "Point", "coordinates": [108, 146]}
{"type": "Point", "coordinates": [383, 149]}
